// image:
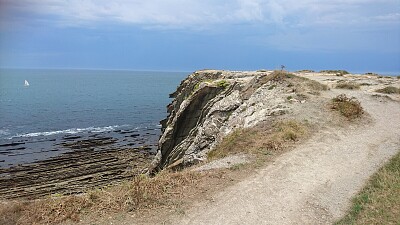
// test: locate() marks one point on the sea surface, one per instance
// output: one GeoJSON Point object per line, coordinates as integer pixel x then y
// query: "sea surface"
{"type": "Point", "coordinates": [78, 105]}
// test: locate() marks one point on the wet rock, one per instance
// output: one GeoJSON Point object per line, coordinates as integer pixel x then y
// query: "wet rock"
{"type": "Point", "coordinates": [12, 144]}
{"type": "Point", "coordinates": [89, 143]}
{"type": "Point", "coordinates": [71, 137]}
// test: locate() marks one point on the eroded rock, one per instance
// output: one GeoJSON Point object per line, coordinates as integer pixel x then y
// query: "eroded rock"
{"type": "Point", "coordinates": [210, 104]}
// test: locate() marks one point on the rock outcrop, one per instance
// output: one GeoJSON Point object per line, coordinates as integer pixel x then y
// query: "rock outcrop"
{"type": "Point", "coordinates": [210, 104]}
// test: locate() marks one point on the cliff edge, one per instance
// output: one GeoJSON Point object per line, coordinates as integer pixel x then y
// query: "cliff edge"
{"type": "Point", "coordinates": [210, 104]}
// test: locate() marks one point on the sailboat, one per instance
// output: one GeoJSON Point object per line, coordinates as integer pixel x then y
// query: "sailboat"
{"type": "Point", "coordinates": [26, 84]}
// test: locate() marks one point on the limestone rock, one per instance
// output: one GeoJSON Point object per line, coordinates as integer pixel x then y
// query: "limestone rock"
{"type": "Point", "coordinates": [210, 104]}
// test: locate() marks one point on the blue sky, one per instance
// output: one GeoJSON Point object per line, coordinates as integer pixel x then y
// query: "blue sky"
{"type": "Point", "coordinates": [177, 35]}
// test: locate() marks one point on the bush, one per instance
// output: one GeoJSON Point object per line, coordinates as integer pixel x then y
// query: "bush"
{"type": "Point", "coordinates": [337, 72]}
{"type": "Point", "coordinates": [348, 107]}
{"type": "Point", "coordinates": [348, 85]}
{"type": "Point", "coordinates": [389, 90]}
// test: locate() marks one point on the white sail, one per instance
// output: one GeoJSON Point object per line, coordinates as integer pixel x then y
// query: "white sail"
{"type": "Point", "coordinates": [26, 83]}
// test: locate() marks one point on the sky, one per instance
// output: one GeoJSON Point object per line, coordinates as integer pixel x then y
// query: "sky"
{"type": "Point", "coordinates": [178, 35]}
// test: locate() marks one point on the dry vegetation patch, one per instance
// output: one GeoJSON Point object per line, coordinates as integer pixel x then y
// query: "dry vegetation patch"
{"type": "Point", "coordinates": [389, 90]}
{"type": "Point", "coordinates": [142, 192]}
{"type": "Point", "coordinates": [349, 107]}
{"type": "Point", "coordinates": [378, 201]}
{"type": "Point", "coordinates": [260, 140]}
{"type": "Point", "coordinates": [348, 85]}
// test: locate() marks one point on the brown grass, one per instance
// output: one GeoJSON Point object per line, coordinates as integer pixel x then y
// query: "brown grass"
{"type": "Point", "coordinates": [337, 72]}
{"type": "Point", "coordinates": [378, 202]}
{"type": "Point", "coordinates": [260, 140]}
{"type": "Point", "coordinates": [348, 85]}
{"type": "Point", "coordinates": [349, 107]}
{"type": "Point", "coordinates": [297, 83]}
{"type": "Point", "coordinates": [141, 193]}
{"type": "Point", "coordinates": [389, 90]}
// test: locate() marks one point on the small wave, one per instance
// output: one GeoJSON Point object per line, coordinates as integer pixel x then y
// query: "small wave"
{"type": "Point", "coordinates": [71, 131]}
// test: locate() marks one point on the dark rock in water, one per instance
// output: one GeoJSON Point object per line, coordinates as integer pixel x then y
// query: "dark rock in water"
{"type": "Point", "coordinates": [133, 135]}
{"type": "Point", "coordinates": [82, 144]}
{"type": "Point", "coordinates": [126, 131]}
{"type": "Point", "coordinates": [40, 140]}
{"type": "Point", "coordinates": [12, 144]}
{"type": "Point", "coordinates": [20, 148]}
{"type": "Point", "coordinates": [71, 137]}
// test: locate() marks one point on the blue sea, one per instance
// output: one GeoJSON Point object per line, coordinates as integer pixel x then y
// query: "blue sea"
{"type": "Point", "coordinates": [79, 104]}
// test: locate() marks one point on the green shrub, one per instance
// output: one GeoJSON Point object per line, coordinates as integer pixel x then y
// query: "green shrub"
{"type": "Point", "coordinates": [222, 83]}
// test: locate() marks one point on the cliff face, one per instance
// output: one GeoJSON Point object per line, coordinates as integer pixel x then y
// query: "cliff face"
{"type": "Point", "coordinates": [210, 104]}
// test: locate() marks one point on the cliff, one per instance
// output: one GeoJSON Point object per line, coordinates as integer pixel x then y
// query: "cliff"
{"type": "Point", "coordinates": [210, 104]}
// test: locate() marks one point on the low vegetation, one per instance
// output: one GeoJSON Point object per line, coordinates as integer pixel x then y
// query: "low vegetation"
{"type": "Point", "coordinates": [142, 192]}
{"type": "Point", "coordinates": [348, 85]}
{"type": "Point", "coordinates": [337, 72]}
{"type": "Point", "coordinates": [222, 83]}
{"type": "Point", "coordinates": [260, 140]}
{"type": "Point", "coordinates": [378, 201]}
{"type": "Point", "coordinates": [389, 90]}
{"type": "Point", "coordinates": [371, 74]}
{"type": "Point", "coordinates": [306, 71]}
{"type": "Point", "coordinates": [279, 76]}
{"type": "Point", "coordinates": [349, 107]}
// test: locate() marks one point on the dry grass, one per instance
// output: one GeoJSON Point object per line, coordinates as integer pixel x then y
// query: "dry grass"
{"type": "Point", "coordinates": [349, 107]}
{"type": "Point", "coordinates": [297, 83]}
{"type": "Point", "coordinates": [378, 202]}
{"type": "Point", "coordinates": [141, 193]}
{"type": "Point", "coordinates": [260, 140]}
{"type": "Point", "coordinates": [337, 72]}
{"type": "Point", "coordinates": [389, 90]}
{"type": "Point", "coordinates": [348, 85]}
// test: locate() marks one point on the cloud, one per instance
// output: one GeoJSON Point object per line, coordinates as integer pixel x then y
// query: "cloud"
{"type": "Point", "coordinates": [195, 13]}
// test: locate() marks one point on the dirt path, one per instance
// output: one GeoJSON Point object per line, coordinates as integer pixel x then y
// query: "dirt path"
{"type": "Point", "coordinates": [312, 184]}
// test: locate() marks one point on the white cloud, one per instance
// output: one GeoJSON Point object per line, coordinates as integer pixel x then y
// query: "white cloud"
{"type": "Point", "coordinates": [194, 13]}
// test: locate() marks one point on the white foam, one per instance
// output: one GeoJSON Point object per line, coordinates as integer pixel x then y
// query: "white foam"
{"type": "Point", "coordinates": [71, 131]}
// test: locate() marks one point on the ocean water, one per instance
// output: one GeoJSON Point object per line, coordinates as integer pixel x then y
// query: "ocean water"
{"type": "Point", "coordinates": [35, 119]}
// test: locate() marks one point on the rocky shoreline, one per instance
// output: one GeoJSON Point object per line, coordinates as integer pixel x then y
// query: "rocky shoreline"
{"type": "Point", "coordinates": [75, 163]}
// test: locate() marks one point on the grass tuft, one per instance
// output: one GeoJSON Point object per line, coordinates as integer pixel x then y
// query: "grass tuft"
{"type": "Point", "coordinates": [389, 90]}
{"type": "Point", "coordinates": [378, 201]}
{"type": "Point", "coordinates": [348, 85]}
{"type": "Point", "coordinates": [349, 107]}
{"type": "Point", "coordinates": [337, 72]}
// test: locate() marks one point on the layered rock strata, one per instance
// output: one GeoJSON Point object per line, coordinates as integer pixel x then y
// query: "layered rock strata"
{"type": "Point", "coordinates": [210, 104]}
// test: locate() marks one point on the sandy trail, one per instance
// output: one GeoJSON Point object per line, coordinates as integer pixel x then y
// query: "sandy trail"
{"type": "Point", "coordinates": [312, 184]}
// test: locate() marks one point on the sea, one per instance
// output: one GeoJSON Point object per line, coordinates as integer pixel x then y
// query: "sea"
{"type": "Point", "coordinates": [76, 104]}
